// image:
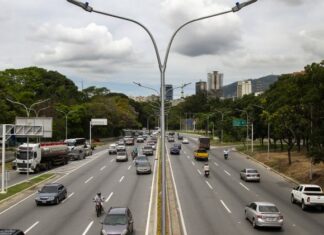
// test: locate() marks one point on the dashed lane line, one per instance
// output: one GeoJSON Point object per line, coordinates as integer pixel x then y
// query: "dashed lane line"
{"type": "Point", "coordinates": [68, 197]}
{"type": "Point", "coordinates": [209, 185]}
{"type": "Point", "coordinates": [228, 210]}
{"type": "Point", "coordinates": [88, 228]}
{"type": "Point", "coordinates": [121, 179]}
{"type": "Point", "coordinates": [31, 227]}
{"type": "Point", "coordinates": [227, 172]}
{"type": "Point", "coordinates": [102, 168]}
{"type": "Point", "coordinates": [88, 180]}
{"type": "Point", "coordinates": [245, 187]}
{"type": "Point", "coordinates": [108, 198]}
{"type": "Point", "coordinates": [199, 171]}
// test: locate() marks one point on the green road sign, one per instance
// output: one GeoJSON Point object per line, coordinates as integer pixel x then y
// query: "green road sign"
{"type": "Point", "coordinates": [239, 122]}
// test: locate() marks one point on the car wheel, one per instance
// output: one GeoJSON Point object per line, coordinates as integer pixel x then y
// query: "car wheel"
{"type": "Point", "coordinates": [65, 195]}
{"type": "Point", "coordinates": [303, 206]}
{"type": "Point", "coordinates": [37, 203]}
{"type": "Point", "coordinates": [57, 201]}
{"type": "Point", "coordinates": [292, 199]}
{"type": "Point", "coordinates": [254, 223]}
{"type": "Point", "coordinates": [246, 216]}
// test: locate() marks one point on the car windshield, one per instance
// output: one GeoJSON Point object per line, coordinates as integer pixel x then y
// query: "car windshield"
{"type": "Point", "coordinates": [115, 220]}
{"type": "Point", "coordinates": [201, 151]}
{"type": "Point", "coordinates": [141, 158]}
{"type": "Point", "coordinates": [147, 147]}
{"type": "Point", "coordinates": [268, 209]}
{"type": "Point", "coordinates": [252, 171]}
{"type": "Point", "coordinates": [144, 163]}
{"type": "Point", "coordinates": [49, 189]}
{"type": "Point", "coordinates": [121, 153]}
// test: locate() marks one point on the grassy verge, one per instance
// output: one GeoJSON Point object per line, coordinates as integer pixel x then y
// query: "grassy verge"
{"type": "Point", "coordinates": [8, 166]}
{"type": "Point", "coordinates": [24, 185]}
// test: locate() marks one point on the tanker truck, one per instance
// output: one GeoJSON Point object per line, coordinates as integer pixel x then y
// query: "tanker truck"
{"type": "Point", "coordinates": [41, 156]}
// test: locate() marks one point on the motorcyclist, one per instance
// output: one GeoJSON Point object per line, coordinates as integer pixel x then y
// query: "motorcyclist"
{"type": "Point", "coordinates": [99, 199]}
{"type": "Point", "coordinates": [206, 168]}
{"type": "Point", "coordinates": [226, 153]}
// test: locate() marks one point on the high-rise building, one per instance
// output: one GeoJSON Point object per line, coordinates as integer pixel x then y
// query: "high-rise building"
{"type": "Point", "coordinates": [244, 88]}
{"type": "Point", "coordinates": [215, 83]}
{"type": "Point", "coordinates": [168, 92]}
{"type": "Point", "coordinates": [201, 87]}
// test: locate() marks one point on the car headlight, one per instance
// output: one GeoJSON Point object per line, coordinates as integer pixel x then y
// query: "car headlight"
{"type": "Point", "coordinates": [124, 232]}
{"type": "Point", "coordinates": [51, 198]}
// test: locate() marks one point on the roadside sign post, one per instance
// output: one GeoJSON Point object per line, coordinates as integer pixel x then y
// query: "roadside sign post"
{"type": "Point", "coordinates": [96, 122]}
{"type": "Point", "coordinates": [6, 131]}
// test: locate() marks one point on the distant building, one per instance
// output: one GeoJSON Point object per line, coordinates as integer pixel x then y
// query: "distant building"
{"type": "Point", "coordinates": [201, 87]}
{"type": "Point", "coordinates": [168, 92]}
{"type": "Point", "coordinates": [244, 88]}
{"type": "Point", "coordinates": [215, 84]}
{"type": "Point", "coordinates": [152, 98]}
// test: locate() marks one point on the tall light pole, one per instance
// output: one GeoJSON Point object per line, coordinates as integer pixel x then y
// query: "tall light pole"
{"type": "Point", "coordinates": [66, 114]}
{"type": "Point", "coordinates": [28, 110]}
{"type": "Point", "coordinates": [162, 68]}
{"type": "Point", "coordinates": [247, 128]}
{"type": "Point", "coordinates": [222, 131]}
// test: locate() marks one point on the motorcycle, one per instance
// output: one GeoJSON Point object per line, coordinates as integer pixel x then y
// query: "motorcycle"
{"type": "Point", "coordinates": [206, 174]}
{"type": "Point", "coordinates": [99, 208]}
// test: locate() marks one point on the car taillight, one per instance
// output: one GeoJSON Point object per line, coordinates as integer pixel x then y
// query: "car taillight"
{"type": "Point", "coordinates": [308, 199]}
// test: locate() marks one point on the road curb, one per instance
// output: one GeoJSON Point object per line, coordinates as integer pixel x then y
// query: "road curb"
{"type": "Point", "coordinates": [270, 168]}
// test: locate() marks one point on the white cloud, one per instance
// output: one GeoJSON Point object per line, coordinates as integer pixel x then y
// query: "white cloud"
{"type": "Point", "coordinates": [212, 36]}
{"type": "Point", "coordinates": [91, 48]}
{"type": "Point", "coordinates": [312, 42]}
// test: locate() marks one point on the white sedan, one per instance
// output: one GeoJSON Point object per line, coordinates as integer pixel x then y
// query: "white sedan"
{"type": "Point", "coordinates": [185, 141]}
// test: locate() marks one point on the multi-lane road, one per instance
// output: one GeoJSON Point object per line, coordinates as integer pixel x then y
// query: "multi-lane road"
{"type": "Point", "coordinates": [117, 181]}
{"type": "Point", "coordinates": [213, 205]}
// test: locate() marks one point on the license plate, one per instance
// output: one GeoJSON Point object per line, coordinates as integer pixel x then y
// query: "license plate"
{"type": "Point", "coordinates": [271, 219]}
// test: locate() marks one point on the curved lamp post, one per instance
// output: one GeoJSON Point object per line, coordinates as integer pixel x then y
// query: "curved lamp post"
{"type": "Point", "coordinates": [162, 68]}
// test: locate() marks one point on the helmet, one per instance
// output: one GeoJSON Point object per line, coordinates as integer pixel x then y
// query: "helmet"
{"type": "Point", "coordinates": [99, 194]}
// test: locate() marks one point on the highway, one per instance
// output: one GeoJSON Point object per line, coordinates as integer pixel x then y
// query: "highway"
{"type": "Point", "coordinates": [215, 205]}
{"type": "Point", "coordinates": [117, 181]}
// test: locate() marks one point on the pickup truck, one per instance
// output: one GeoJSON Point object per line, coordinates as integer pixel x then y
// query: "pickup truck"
{"type": "Point", "coordinates": [201, 154]}
{"type": "Point", "coordinates": [308, 195]}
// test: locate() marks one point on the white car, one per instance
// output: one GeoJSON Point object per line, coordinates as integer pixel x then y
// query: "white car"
{"type": "Point", "coordinates": [112, 149]}
{"type": "Point", "coordinates": [122, 156]}
{"type": "Point", "coordinates": [308, 195]}
{"type": "Point", "coordinates": [185, 141]}
{"type": "Point", "coordinates": [121, 147]}
{"type": "Point", "coordinates": [249, 174]}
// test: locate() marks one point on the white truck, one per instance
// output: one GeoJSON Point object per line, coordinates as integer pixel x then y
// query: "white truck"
{"type": "Point", "coordinates": [41, 156]}
{"type": "Point", "coordinates": [308, 195]}
{"type": "Point", "coordinates": [77, 148]}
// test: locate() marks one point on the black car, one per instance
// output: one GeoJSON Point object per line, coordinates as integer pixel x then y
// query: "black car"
{"type": "Point", "coordinates": [174, 150]}
{"type": "Point", "coordinates": [11, 232]}
{"type": "Point", "coordinates": [180, 137]}
{"type": "Point", "coordinates": [178, 145]}
{"type": "Point", "coordinates": [51, 194]}
{"type": "Point", "coordinates": [118, 220]}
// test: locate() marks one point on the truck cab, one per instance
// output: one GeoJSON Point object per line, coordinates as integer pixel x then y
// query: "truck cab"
{"type": "Point", "coordinates": [28, 157]}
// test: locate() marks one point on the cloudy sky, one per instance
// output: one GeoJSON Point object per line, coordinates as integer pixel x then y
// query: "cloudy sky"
{"type": "Point", "coordinates": [267, 37]}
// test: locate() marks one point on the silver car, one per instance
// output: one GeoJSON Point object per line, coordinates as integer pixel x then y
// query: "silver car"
{"type": "Point", "coordinates": [122, 156]}
{"type": "Point", "coordinates": [118, 220]}
{"type": "Point", "coordinates": [263, 214]}
{"type": "Point", "coordinates": [143, 168]}
{"type": "Point", "coordinates": [249, 174]}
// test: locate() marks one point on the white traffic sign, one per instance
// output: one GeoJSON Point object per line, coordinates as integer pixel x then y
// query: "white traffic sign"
{"type": "Point", "coordinates": [99, 122]}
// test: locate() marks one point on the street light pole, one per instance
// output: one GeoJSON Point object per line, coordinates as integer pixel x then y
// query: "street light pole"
{"type": "Point", "coordinates": [222, 131]}
{"type": "Point", "coordinates": [66, 114]}
{"type": "Point", "coordinates": [162, 68]}
{"type": "Point", "coordinates": [28, 114]}
{"type": "Point", "coordinates": [247, 127]}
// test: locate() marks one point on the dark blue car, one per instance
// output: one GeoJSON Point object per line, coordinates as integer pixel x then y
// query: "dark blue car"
{"type": "Point", "coordinates": [174, 150]}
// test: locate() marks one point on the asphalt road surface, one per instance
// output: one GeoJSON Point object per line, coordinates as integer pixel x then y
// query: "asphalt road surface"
{"type": "Point", "coordinates": [215, 205]}
{"type": "Point", "coordinates": [117, 181]}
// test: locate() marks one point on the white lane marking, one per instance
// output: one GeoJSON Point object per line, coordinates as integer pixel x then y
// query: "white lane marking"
{"type": "Point", "coordinates": [209, 185]}
{"type": "Point", "coordinates": [228, 210]}
{"type": "Point", "coordinates": [112, 160]}
{"type": "Point", "coordinates": [199, 171]}
{"type": "Point", "coordinates": [151, 198]}
{"type": "Point", "coordinates": [88, 179]}
{"type": "Point", "coordinates": [68, 197]}
{"type": "Point", "coordinates": [188, 157]}
{"type": "Point", "coordinates": [178, 200]}
{"type": "Point", "coordinates": [108, 198]}
{"type": "Point", "coordinates": [2, 212]}
{"type": "Point", "coordinates": [87, 229]}
{"type": "Point", "coordinates": [102, 168]}
{"type": "Point", "coordinates": [184, 152]}
{"type": "Point", "coordinates": [216, 164]}
{"type": "Point", "coordinates": [245, 187]}
{"type": "Point", "coordinates": [121, 179]}
{"type": "Point", "coordinates": [129, 167]}
{"type": "Point", "coordinates": [193, 163]}
{"type": "Point", "coordinates": [227, 172]}
{"type": "Point", "coordinates": [31, 227]}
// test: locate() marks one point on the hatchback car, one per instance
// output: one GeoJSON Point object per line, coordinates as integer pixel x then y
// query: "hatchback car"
{"type": "Point", "coordinates": [249, 174]}
{"type": "Point", "coordinates": [112, 149]}
{"type": "Point", "coordinates": [122, 156]}
{"type": "Point", "coordinates": [118, 220]}
{"type": "Point", "coordinates": [263, 214]}
{"type": "Point", "coordinates": [121, 147]}
{"type": "Point", "coordinates": [51, 194]}
{"type": "Point", "coordinates": [143, 168]}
